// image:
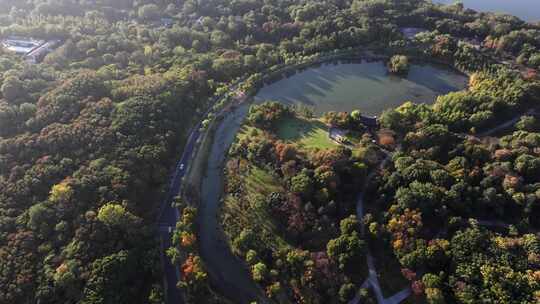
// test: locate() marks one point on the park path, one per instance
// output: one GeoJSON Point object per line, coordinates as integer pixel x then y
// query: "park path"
{"type": "Point", "coordinates": [506, 124]}
{"type": "Point", "coordinates": [373, 278]}
{"type": "Point", "coordinates": [493, 224]}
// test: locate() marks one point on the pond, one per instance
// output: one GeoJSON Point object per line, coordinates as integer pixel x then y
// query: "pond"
{"type": "Point", "coordinates": [364, 86]}
{"type": "Point", "coordinates": [329, 87]}
{"type": "Point", "coordinates": [528, 10]}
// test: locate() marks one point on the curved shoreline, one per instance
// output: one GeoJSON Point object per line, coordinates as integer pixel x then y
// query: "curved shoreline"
{"type": "Point", "coordinates": [224, 268]}
{"type": "Point", "coordinates": [227, 272]}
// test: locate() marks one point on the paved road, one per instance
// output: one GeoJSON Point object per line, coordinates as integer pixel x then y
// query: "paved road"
{"type": "Point", "coordinates": [169, 215]}
{"type": "Point", "coordinates": [171, 272]}
{"type": "Point", "coordinates": [229, 274]}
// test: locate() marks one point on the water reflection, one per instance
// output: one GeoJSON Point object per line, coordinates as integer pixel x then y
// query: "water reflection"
{"type": "Point", "coordinates": [528, 10]}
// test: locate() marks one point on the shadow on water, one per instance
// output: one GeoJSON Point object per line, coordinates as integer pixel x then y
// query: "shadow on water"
{"type": "Point", "coordinates": [437, 79]}
{"type": "Point", "coordinates": [364, 86]}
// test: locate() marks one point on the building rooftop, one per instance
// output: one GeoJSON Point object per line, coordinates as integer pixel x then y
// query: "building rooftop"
{"type": "Point", "coordinates": [167, 22]}
{"type": "Point", "coordinates": [369, 121]}
{"type": "Point", "coordinates": [17, 49]}
{"type": "Point", "coordinates": [21, 45]}
{"type": "Point", "coordinates": [32, 49]}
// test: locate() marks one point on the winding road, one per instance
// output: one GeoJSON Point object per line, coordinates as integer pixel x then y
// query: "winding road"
{"type": "Point", "coordinates": [227, 273]}
{"type": "Point", "coordinates": [169, 215]}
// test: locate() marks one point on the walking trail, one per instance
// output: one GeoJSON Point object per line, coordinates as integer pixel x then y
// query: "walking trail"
{"type": "Point", "coordinates": [373, 278]}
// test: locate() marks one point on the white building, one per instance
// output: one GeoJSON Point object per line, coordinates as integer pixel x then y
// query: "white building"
{"type": "Point", "coordinates": [20, 45]}
{"type": "Point", "coordinates": [38, 53]}
{"type": "Point", "coordinates": [33, 50]}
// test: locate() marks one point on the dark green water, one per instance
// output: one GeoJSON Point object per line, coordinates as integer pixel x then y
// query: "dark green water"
{"type": "Point", "coordinates": [227, 272]}
{"type": "Point", "coordinates": [363, 86]}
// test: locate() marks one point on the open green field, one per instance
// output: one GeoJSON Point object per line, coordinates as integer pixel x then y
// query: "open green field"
{"type": "Point", "coordinates": [247, 212]}
{"type": "Point", "coordinates": [307, 134]}
{"type": "Point", "coordinates": [261, 182]}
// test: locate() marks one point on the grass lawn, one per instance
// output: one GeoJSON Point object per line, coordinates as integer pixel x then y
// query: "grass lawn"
{"type": "Point", "coordinates": [308, 134]}
{"type": "Point", "coordinates": [243, 212]}
{"type": "Point", "coordinates": [261, 182]}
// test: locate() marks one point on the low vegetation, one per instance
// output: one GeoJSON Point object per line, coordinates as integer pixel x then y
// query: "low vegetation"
{"type": "Point", "coordinates": [309, 134]}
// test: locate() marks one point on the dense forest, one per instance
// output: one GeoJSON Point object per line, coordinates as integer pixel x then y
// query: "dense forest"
{"type": "Point", "coordinates": [90, 135]}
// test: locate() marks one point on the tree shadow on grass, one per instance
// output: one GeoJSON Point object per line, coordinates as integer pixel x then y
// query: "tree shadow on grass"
{"type": "Point", "coordinates": [295, 129]}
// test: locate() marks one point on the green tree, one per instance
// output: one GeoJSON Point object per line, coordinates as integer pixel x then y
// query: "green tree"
{"type": "Point", "coordinates": [61, 193]}
{"type": "Point", "coordinates": [347, 292]}
{"type": "Point", "coordinates": [111, 280]}
{"type": "Point", "coordinates": [534, 60]}
{"type": "Point", "coordinates": [113, 214]}
{"type": "Point", "coordinates": [302, 184]}
{"type": "Point", "coordinates": [434, 296]}
{"type": "Point", "coordinates": [350, 225]}
{"type": "Point", "coordinates": [356, 115]}
{"type": "Point", "coordinates": [149, 12]}
{"type": "Point", "coordinates": [348, 251]}
{"type": "Point", "coordinates": [527, 123]}
{"type": "Point", "coordinates": [41, 218]}
{"type": "Point", "coordinates": [245, 241]}
{"type": "Point", "coordinates": [259, 272]}
{"type": "Point", "coordinates": [66, 277]}
{"type": "Point", "coordinates": [12, 88]}
{"type": "Point", "coordinates": [399, 64]}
